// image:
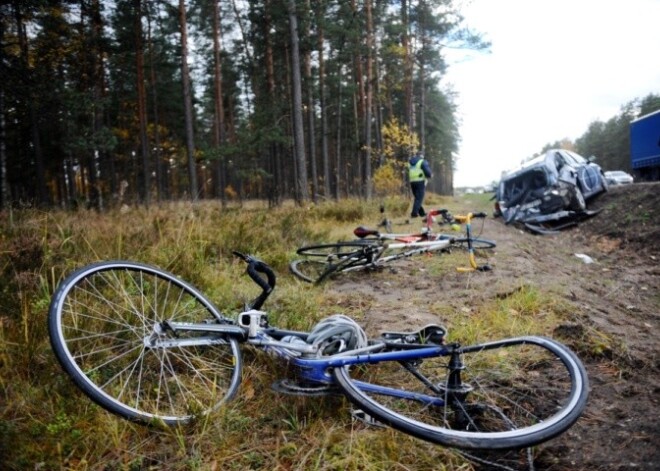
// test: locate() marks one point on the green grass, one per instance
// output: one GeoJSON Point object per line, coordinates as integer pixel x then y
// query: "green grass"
{"type": "Point", "coordinates": [46, 423]}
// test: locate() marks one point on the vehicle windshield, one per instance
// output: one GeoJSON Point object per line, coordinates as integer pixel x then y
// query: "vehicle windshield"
{"type": "Point", "coordinates": [577, 157]}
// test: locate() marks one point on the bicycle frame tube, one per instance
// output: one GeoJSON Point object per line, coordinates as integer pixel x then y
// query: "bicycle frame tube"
{"type": "Point", "coordinates": [318, 370]}
{"type": "Point", "coordinates": [468, 233]}
{"type": "Point", "coordinates": [312, 370]}
{"type": "Point", "coordinates": [414, 249]}
{"type": "Point", "coordinates": [393, 392]}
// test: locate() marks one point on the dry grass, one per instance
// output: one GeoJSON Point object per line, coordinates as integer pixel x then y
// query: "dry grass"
{"type": "Point", "coordinates": [45, 423]}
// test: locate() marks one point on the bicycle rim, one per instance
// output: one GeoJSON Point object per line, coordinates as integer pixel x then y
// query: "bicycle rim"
{"type": "Point", "coordinates": [477, 244]}
{"type": "Point", "coordinates": [512, 394]}
{"type": "Point", "coordinates": [99, 322]}
{"type": "Point", "coordinates": [321, 261]}
{"type": "Point", "coordinates": [309, 270]}
{"type": "Point", "coordinates": [339, 250]}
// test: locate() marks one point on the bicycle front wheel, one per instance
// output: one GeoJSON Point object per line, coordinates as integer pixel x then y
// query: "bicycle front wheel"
{"type": "Point", "coordinates": [101, 323]}
{"type": "Point", "coordinates": [508, 394]}
{"type": "Point", "coordinates": [477, 244]}
{"type": "Point", "coordinates": [310, 270]}
{"type": "Point", "coordinates": [320, 261]}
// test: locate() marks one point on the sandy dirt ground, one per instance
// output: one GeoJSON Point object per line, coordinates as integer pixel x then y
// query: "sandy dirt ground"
{"type": "Point", "coordinates": [617, 295]}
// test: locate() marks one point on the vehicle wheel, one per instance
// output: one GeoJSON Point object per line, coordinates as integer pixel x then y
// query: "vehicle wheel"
{"type": "Point", "coordinates": [577, 201]}
{"type": "Point", "coordinates": [100, 321]}
{"type": "Point", "coordinates": [477, 243]}
{"type": "Point", "coordinates": [508, 394]}
{"type": "Point", "coordinates": [320, 261]}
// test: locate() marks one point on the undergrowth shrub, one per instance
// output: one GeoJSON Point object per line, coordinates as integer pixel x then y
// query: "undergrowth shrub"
{"type": "Point", "coordinates": [345, 210]}
{"type": "Point", "coordinates": [387, 180]}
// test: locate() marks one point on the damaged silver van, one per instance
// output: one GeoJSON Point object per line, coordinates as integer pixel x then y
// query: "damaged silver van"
{"type": "Point", "coordinates": [550, 188]}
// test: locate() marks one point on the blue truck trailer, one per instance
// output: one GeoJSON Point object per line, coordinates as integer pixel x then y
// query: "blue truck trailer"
{"type": "Point", "coordinates": [645, 147]}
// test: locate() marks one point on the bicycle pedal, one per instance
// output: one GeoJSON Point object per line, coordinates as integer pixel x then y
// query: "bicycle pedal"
{"type": "Point", "coordinates": [365, 418]}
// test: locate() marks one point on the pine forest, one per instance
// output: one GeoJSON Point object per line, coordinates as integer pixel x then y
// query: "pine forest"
{"type": "Point", "coordinates": [142, 101]}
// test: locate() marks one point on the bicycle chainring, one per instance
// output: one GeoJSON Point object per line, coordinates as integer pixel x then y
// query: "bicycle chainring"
{"type": "Point", "coordinates": [287, 386]}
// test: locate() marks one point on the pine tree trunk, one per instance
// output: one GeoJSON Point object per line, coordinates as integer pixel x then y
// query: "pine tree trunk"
{"type": "Point", "coordinates": [302, 192]}
{"type": "Point", "coordinates": [407, 65]}
{"type": "Point", "coordinates": [145, 181]}
{"type": "Point", "coordinates": [368, 104]}
{"type": "Point", "coordinates": [187, 103]}
{"type": "Point", "coordinates": [338, 138]}
{"type": "Point", "coordinates": [311, 137]}
{"type": "Point", "coordinates": [98, 85]}
{"type": "Point", "coordinates": [359, 105]}
{"type": "Point", "coordinates": [277, 185]}
{"type": "Point", "coordinates": [422, 83]}
{"type": "Point", "coordinates": [161, 172]}
{"type": "Point", "coordinates": [322, 100]}
{"type": "Point", "coordinates": [219, 122]}
{"type": "Point", "coordinates": [42, 195]}
{"type": "Point", "coordinates": [4, 184]}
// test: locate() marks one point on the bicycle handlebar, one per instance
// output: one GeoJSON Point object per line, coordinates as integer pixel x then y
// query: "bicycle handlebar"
{"type": "Point", "coordinates": [254, 267]}
{"type": "Point", "coordinates": [469, 216]}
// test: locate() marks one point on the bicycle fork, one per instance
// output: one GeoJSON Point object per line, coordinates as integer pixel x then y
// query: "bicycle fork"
{"type": "Point", "coordinates": [456, 391]}
{"type": "Point", "coordinates": [453, 392]}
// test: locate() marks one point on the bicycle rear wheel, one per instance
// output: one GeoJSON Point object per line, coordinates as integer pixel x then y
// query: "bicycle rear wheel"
{"type": "Point", "coordinates": [101, 321]}
{"type": "Point", "coordinates": [509, 394]}
{"type": "Point", "coordinates": [320, 261]}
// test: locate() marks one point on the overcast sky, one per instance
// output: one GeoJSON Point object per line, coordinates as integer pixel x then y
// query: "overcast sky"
{"type": "Point", "coordinates": [555, 66]}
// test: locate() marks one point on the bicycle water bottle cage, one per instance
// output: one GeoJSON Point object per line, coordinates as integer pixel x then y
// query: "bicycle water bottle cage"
{"type": "Point", "coordinates": [430, 334]}
{"type": "Point", "coordinates": [363, 232]}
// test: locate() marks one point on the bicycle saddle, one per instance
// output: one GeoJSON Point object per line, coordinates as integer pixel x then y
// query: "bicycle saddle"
{"type": "Point", "coordinates": [362, 232]}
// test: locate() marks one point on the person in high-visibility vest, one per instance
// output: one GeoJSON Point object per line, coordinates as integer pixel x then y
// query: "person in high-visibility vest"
{"type": "Point", "coordinates": [419, 172]}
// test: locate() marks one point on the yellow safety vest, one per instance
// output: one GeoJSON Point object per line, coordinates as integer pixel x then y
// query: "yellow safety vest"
{"type": "Point", "coordinates": [415, 172]}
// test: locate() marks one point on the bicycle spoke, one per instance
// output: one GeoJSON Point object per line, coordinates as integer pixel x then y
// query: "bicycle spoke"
{"type": "Point", "coordinates": [507, 395]}
{"type": "Point", "coordinates": [106, 331]}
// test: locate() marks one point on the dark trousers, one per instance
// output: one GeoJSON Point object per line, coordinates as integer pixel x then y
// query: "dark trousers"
{"type": "Point", "coordinates": [418, 189]}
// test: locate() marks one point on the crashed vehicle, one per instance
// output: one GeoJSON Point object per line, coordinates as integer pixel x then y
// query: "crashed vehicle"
{"type": "Point", "coordinates": [549, 192]}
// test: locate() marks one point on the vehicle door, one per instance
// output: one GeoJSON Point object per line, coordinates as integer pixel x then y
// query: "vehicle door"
{"type": "Point", "coordinates": [588, 174]}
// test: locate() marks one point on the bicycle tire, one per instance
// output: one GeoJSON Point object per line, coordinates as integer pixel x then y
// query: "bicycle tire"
{"type": "Point", "coordinates": [477, 243]}
{"type": "Point", "coordinates": [310, 270]}
{"type": "Point", "coordinates": [321, 261]}
{"type": "Point", "coordinates": [99, 321]}
{"type": "Point", "coordinates": [501, 381]}
{"type": "Point", "coordinates": [342, 249]}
